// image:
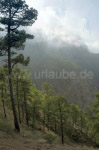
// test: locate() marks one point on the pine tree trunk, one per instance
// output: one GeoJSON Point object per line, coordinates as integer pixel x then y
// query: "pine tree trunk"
{"type": "Point", "coordinates": [44, 121]}
{"type": "Point", "coordinates": [81, 124]}
{"type": "Point", "coordinates": [13, 106]}
{"type": "Point", "coordinates": [55, 125]}
{"type": "Point", "coordinates": [10, 74]}
{"type": "Point", "coordinates": [48, 117]}
{"type": "Point", "coordinates": [62, 131]}
{"type": "Point", "coordinates": [34, 117]}
{"type": "Point", "coordinates": [17, 90]}
{"type": "Point", "coordinates": [3, 103]}
{"type": "Point", "coordinates": [48, 122]}
{"type": "Point", "coordinates": [61, 124]}
{"type": "Point", "coordinates": [22, 111]}
{"type": "Point", "coordinates": [25, 106]}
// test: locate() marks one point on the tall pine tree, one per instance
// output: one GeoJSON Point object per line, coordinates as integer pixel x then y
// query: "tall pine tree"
{"type": "Point", "coordinates": [14, 14]}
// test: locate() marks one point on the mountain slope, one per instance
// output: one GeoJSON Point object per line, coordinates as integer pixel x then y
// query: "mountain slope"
{"type": "Point", "coordinates": [49, 64]}
{"type": "Point", "coordinates": [55, 65]}
{"type": "Point", "coordinates": [19, 142]}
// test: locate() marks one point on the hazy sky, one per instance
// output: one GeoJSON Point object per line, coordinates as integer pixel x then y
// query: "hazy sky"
{"type": "Point", "coordinates": [72, 21]}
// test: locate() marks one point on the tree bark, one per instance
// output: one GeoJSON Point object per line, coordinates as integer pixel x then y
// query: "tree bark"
{"type": "Point", "coordinates": [48, 126]}
{"type": "Point", "coordinates": [18, 103]}
{"type": "Point", "coordinates": [55, 124]}
{"type": "Point", "coordinates": [62, 131]}
{"type": "Point", "coordinates": [10, 73]}
{"type": "Point", "coordinates": [61, 125]}
{"type": "Point", "coordinates": [3, 103]}
{"type": "Point", "coordinates": [44, 121]}
{"type": "Point", "coordinates": [25, 106]}
{"type": "Point", "coordinates": [22, 111]}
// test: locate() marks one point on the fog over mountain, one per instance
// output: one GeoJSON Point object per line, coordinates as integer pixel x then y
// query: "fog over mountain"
{"type": "Point", "coordinates": [68, 21]}
{"type": "Point", "coordinates": [49, 74]}
{"type": "Point", "coordinates": [54, 63]}
{"type": "Point", "coordinates": [66, 41]}
{"type": "Point", "coordinates": [49, 62]}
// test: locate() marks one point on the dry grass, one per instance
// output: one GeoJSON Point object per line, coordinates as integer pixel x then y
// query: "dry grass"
{"type": "Point", "coordinates": [24, 142]}
{"type": "Point", "coordinates": [29, 140]}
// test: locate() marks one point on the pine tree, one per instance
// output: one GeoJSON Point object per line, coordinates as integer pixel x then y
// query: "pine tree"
{"type": "Point", "coordinates": [14, 14]}
{"type": "Point", "coordinates": [3, 84]}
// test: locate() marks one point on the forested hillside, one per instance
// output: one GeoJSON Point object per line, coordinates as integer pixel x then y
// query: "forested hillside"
{"type": "Point", "coordinates": [43, 109]}
{"type": "Point", "coordinates": [45, 58]}
{"type": "Point", "coordinates": [49, 95]}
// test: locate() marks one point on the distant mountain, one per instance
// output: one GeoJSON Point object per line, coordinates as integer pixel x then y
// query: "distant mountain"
{"type": "Point", "coordinates": [50, 63]}
{"type": "Point", "coordinates": [56, 65]}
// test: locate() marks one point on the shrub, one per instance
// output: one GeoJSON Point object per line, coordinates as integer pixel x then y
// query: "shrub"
{"type": "Point", "coordinates": [50, 138]}
{"type": "Point", "coordinates": [5, 127]}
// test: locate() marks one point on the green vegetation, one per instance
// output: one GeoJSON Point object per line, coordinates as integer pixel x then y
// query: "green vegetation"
{"type": "Point", "coordinates": [43, 109]}
{"type": "Point", "coordinates": [40, 109]}
{"type": "Point", "coordinates": [6, 127]}
{"type": "Point", "coordinates": [15, 14]}
{"type": "Point", "coordinates": [77, 90]}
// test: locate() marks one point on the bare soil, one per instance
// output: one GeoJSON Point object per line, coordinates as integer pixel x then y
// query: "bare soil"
{"type": "Point", "coordinates": [20, 142]}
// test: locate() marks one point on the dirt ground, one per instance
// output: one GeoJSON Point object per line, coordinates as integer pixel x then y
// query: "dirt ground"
{"type": "Point", "coordinates": [19, 142]}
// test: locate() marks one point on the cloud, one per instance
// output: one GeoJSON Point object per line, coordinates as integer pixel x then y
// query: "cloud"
{"type": "Point", "coordinates": [59, 26]}
{"type": "Point", "coordinates": [67, 27]}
